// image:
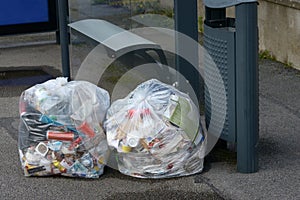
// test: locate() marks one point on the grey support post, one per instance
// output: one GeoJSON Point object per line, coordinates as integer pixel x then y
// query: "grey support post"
{"type": "Point", "coordinates": [247, 87]}
{"type": "Point", "coordinates": [64, 36]}
{"type": "Point", "coordinates": [186, 22]}
{"type": "Point", "coordinates": [233, 45]}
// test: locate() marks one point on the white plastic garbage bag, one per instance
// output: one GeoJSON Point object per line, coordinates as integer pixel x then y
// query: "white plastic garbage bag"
{"type": "Point", "coordinates": [156, 132]}
{"type": "Point", "coordinates": [61, 129]}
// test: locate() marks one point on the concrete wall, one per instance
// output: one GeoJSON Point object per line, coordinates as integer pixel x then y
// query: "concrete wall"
{"type": "Point", "coordinates": [279, 28]}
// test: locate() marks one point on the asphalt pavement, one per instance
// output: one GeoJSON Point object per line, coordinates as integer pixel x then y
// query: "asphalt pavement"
{"type": "Point", "coordinates": [279, 151]}
{"type": "Point", "coordinates": [279, 157]}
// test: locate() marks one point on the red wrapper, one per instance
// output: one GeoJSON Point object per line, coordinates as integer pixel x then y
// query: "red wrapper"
{"type": "Point", "coordinates": [57, 135]}
{"type": "Point", "coordinates": [86, 129]}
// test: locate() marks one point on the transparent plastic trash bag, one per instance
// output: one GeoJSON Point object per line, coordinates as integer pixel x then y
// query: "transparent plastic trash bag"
{"type": "Point", "coordinates": [155, 132]}
{"type": "Point", "coordinates": [61, 129]}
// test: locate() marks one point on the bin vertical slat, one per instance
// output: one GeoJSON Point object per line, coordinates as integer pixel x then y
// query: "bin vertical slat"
{"type": "Point", "coordinates": [247, 87]}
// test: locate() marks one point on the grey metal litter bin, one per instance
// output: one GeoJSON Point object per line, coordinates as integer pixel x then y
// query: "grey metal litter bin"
{"type": "Point", "coordinates": [233, 45]}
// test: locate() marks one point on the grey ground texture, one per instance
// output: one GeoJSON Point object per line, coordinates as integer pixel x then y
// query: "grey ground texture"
{"type": "Point", "coordinates": [279, 137]}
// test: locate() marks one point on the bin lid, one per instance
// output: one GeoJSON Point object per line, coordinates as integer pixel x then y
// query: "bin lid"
{"type": "Point", "coordinates": [224, 3]}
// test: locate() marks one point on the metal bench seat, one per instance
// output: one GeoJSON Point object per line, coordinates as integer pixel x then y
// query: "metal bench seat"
{"type": "Point", "coordinates": [117, 40]}
{"type": "Point", "coordinates": [114, 42]}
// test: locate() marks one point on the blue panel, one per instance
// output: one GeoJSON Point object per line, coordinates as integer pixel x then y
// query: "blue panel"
{"type": "Point", "coordinates": [14, 12]}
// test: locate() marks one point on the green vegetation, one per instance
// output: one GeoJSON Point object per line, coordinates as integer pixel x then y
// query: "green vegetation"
{"type": "Point", "coordinates": [115, 3]}
{"type": "Point", "coordinates": [288, 65]}
{"type": "Point", "coordinates": [268, 55]}
{"type": "Point", "coordinates": [265, 54]}
{"type": "Point", "coordinates": [200, 24]}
